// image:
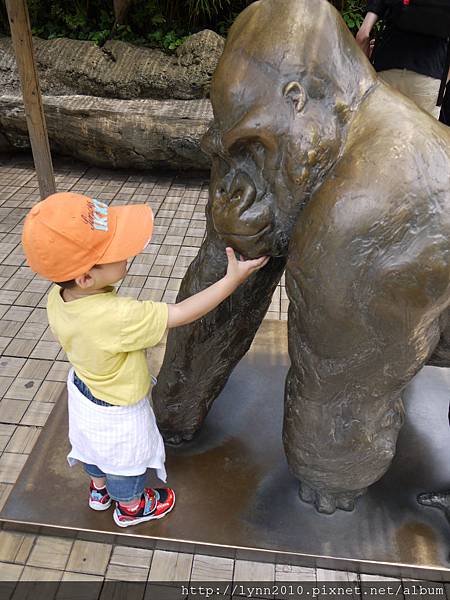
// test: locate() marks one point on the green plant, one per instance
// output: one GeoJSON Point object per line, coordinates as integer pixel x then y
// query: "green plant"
{"type": "Point", "coordinates": [353, 13]}
{"type": "Point", "coordinates": [169, 40]}
{"type": "Point", "coordinates": [209, 8]}
{"type": "Point", "coordinates": [162, 23]}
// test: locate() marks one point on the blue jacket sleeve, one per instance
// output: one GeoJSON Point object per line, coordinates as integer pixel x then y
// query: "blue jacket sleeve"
{"type": "Point", "coordinates": [377, 6]}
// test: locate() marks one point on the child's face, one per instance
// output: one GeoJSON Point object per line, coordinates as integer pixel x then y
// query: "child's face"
{"type": "Point", "coordinates": [108, 274]}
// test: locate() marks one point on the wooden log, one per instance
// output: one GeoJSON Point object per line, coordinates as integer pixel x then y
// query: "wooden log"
{"type": "Point", "coordinates": [23, 47]}
{"type": "Point", "coordinates": [139, 134]}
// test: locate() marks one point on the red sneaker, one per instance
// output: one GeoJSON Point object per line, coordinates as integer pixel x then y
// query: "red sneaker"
{"type": "Point", "coordinates": [155, 504]}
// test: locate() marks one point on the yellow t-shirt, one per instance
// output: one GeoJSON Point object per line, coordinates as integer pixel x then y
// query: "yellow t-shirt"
{"type": "Point", "coordinates": [104, 337]}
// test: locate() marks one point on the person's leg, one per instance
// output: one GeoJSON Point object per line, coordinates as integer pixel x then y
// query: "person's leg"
{"type": "Point", "coordinates": [99, 498]}
{"type": "Point", "coordinates": [97, 476]}
{"type": "Point", "coordinates": [134, 502]}
{"type": "Point", "coordinates": [126, 490]}
{"type": "Point", "coordinates": [421, 89]}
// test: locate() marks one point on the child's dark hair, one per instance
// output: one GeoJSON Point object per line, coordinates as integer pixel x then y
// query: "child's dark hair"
{"type": "Point", "coordinates": [66, 285]}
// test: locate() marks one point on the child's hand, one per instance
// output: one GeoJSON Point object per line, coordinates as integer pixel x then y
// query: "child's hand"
{"type": "Point", "coordinates": [239, 270]}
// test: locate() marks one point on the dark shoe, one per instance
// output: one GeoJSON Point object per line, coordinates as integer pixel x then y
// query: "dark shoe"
{"type": "Point", "coordinates": [99, 499]}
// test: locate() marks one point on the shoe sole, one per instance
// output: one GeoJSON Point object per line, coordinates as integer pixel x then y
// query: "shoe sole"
{"type": "Point", "coordinates": [98, 506]}
{"type": "Point", "coordinates": [144, 519]}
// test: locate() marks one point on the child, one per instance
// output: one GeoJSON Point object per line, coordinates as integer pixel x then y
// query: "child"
{"type": "Point", "coordinates": [83, 245]}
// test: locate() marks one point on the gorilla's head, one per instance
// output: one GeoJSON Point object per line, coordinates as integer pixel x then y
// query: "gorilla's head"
{"type": "Point", "coordinates": [283, 94]}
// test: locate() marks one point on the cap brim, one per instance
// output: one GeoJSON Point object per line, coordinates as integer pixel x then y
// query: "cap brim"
{"type": "Point", "coordinates": [133, 230]}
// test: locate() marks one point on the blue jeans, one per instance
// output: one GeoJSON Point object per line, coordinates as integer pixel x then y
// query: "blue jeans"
{"type": "Point", "coordinates": [121, 488]}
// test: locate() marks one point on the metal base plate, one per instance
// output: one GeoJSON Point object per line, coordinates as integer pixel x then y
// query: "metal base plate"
{"type": "Point", "coordinates": [236, 497]}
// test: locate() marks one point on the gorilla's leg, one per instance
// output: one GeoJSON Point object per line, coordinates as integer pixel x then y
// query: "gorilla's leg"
{"type": "Point", "coordinates": [359, 330]}
{"type": "Point", "coordinates": [439, 500]}
{"type": "Point", "coordinates": [441, 354]}
{"type": "Point", "coordinates": [200, 357]}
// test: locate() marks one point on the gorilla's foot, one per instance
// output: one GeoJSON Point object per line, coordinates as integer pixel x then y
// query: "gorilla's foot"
{"type": "Point", "coordinates": [176, 439]}
{"type": "Point", "coordinates": [328, 502]}
{"type": "Point", "coordinates": [436, 500]}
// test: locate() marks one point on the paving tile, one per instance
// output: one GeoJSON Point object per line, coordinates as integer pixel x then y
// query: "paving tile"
{"type": "Point", "coordinates": [170, 566]}
{"type": "Point", "coordinates": [173, 284]}
{"type": "Point", "coordinates": [38, 315]}
{"type": "Point", "coordinates": [35, 368]}
{"type": "Point", "coordinates": [138, 557]}
{"type": "Point", "coordinates": [212, 568]}
{"type": "Point", "coordinates": [169, 296]}
{"type": "Point", "coordinates": [26, 273]}
{"type": "Point", "coordinates": [72, 576]}
{"type": "Point", "coordinates": [59, 371]}
{"type": "Point", "coordinates": [154, 295]}
{"type": "Point", "coordinates": [23, 439]}
{"type": "Point", "coordinates": [7, 271]}
{"type": "Point", "coordinates": [50, 391]}
{"type": "Point", "coordinates": [10, 572]}
{"type": "Point", "coordinates": [9, 328]}
{"type": "Point", "coordinates": [37, 414]}
{"type": "Point", "coordinates": [11, 466]}
{"type": "Point", "coordinates": [136, 281]}
{"type": "Point", "coordinates": [17, 313]}
{"type": "Point", "coordinates": [333, 575]}
{"type": "Point", "coordinates": [5, 382]}
{"type": "Point", "coordinates": [29, 298]}
{"type": "Point", "coordinates": [12, 411]}
{"type": "Point", "coordinates": [126, 573]}
{"type": "Point", "coordinates": [127, 292]}
{"type": "Point", "coordinates": [5, 490]}
{"type": "Point", "coordinates": [89, 557]}
{"type": "Point", "coordinates": [139, 269]}
{"type": "Point", "coordinates": [23, 388]}
{"type": "Point", "coordinates": [50, 552]}
{"type": "Point", "coordinates": [6, 432]}
{"type": "Point", "coordinates": [11, 366]}
{"type": "Point", "coordinates": [294, 573]}
{"type": "Point", "coordinates": [45, 349]}
{"type": "Point", "coordinates": [48, 335]}
{"type": "Point", "coordinates": [159, 271]}
{"type": "Point", "coordinates": [35, 574]}
{"type": "Point", "coordinates": [8, 297]}
{"type": "Point", "coordinates": [15, 547]}
{"type": "Point", "coordinates": [4, 341]}
{"type": "Point", "coordinates": [38, 285]}
{"type": "Point", "coordinates": [156, 283]}
{"type": "Point", "coordinates": [31, 331]}
{"type": "Point", "coordinates": [20, 348]}
{"type": "Point", "coordinates": [245, 570]}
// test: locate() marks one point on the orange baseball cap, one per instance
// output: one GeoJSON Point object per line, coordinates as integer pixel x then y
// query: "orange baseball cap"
{"type": "Point", "coordinates": [66, 234]}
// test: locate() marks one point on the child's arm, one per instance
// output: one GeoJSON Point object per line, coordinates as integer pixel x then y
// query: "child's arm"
{"type": "Point", "coordinates": [200, 304]}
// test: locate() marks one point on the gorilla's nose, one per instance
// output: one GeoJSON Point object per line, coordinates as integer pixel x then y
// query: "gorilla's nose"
{"type": "Point", "coordinates": [235, 208]}
{"type": "Point", "coordinates": [238, 197]}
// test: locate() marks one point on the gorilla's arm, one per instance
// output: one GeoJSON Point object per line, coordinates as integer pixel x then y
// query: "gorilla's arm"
{"type": "Point", "coordinates": [200, 357]}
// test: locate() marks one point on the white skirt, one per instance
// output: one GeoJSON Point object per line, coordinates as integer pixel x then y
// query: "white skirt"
{"type": "Point", "coordinates": [119, 440]}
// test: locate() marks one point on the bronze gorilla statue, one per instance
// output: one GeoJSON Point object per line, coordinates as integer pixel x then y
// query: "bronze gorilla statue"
{"type": "Point", "coordinates": [317, 162]}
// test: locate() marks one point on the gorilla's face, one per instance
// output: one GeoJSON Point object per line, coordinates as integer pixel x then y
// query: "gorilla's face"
{"type": "Point", "coordinates": [271, 143]}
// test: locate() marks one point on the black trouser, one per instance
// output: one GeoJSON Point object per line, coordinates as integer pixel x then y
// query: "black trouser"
{"type": "Point", "coordinates": [445, 109]}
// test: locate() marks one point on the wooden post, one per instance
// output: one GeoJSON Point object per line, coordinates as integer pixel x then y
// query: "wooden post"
{"type": "Point", "coordinates": [23, 48]}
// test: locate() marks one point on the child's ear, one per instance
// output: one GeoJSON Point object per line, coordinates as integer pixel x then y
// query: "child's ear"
{"type": "Point", "coordinates": [85, 281]}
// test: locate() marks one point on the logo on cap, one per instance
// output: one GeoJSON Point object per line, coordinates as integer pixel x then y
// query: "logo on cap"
{"type": "Point", "coordinates": [97, 217]}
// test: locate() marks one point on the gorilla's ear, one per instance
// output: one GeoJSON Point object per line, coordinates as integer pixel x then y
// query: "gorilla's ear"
{"type": "Point", "coordinates": [295, 92]}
